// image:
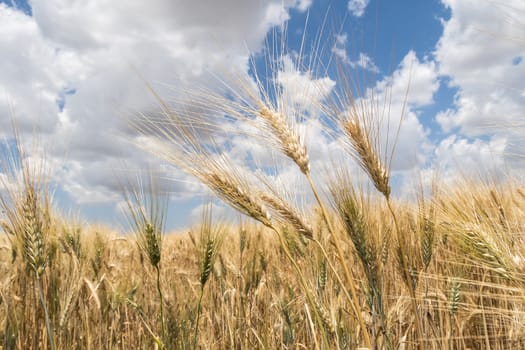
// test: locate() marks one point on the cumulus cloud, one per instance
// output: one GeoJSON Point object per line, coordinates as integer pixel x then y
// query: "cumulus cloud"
{"type": "Point", "coordinates": [459, 157]}
{"type": "Point", "coordinates": [415, 81]}
{"type": "Point", "coordinates": [357, 7]}
{"type": "Point", "coordinates": [69, 71]}
{"type": "Point", "coordinates": [365, 62]}
{"type": "Point", "coordinates": [339, 48]}
{"type": "Point", "coordinates": [33, 74]}
{"type": "Point", "coordinates": [301, 89]}
{"type": "Point", "coordinates": [480, 53]}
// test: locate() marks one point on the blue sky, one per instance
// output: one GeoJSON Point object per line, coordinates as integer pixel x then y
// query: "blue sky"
{"type": "Point", "coordinates": [69, 72]}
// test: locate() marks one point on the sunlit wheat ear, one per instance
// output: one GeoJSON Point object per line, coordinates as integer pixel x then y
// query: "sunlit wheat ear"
{"type": "Point", "coordinates": [501, 211]}
{"type": "Point", "coordinates": [479, 246]}
{"type": "Point", "coordinates": [322, 275]}
{"type": "Point", "coordinates": [210, 241]}
{"type": "Point", "coordinates": [367, 156]}
{"type": "Point", "coordinates": [69, 295]}
{"type": "Point", "coordinates": [33, 243]}
{"type": "Point", "coordinates": [407, 268]}
{"type": "Point", "coordinates": [289, 141]}
{"type": "Point", "coordinates": [226, 184]}
{"type": "Point", "coordinates": [352, 213]}
{"type": "Point", "coordinates": [288, 214]}
{"type": "Point", "coordinates": [385, 246]}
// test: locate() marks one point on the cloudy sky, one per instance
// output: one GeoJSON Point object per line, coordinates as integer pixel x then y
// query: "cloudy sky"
{"type": "Point", "coordinates": [74, 72]}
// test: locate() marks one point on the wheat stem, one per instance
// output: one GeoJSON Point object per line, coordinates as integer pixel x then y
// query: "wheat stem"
{"type": "Point", "coordinates": [199, 307]}
{"type": "Point", "coordinates": [302, 280]}
{"type": "Point", "coordinates": [354, 301]}
{"type": "Point", "coordinates": [406, 271]}
{"type": "Point", "coordinates": [49, 327]}
{"type": "Point", "coordinates": [159, 290]}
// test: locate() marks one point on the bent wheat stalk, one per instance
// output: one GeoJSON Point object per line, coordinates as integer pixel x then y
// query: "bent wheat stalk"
{"type": "Point", "coordinates": [213, 170]}
{"type": "Point", "coordinates": [368, 158]}
{"type": "Point", "coordinates": [147, 213]}
{"type": "Point", "coordinates": [291, 145]}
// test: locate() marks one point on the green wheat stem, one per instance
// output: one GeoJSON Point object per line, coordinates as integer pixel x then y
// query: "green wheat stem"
{"type": "Point", "coordinates": [302, 280]}
{"type": "Point", "coordinates": [46, 313]}
{"type": "Point", "coordinates": [199, 307]}
{"type": "Point", "coordinates": [404, 265]}
{"type": "Point", "coordinates": [353, 301]}
{"type": "Point", "coordinates": [159, 290]}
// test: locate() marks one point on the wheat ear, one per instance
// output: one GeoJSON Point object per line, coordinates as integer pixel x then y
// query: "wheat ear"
{"type": "Point", "coordinates": [367, 157]}
{"type": "Point", "coordinates": [289, 141]}
{"type": "Point", "coordinates": [288, 214]}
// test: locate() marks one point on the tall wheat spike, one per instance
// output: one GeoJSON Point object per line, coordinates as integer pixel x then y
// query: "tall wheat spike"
{"type": "Point", "coordinates": [210, 240]}
{"type": "Point", "coordinates": [147, 209]}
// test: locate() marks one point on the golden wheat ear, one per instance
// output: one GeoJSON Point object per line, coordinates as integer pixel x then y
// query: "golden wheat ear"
{"type": "Point", "coordinates": [288, 139]}
{"type": "Point", "coordinates": [367, 156]}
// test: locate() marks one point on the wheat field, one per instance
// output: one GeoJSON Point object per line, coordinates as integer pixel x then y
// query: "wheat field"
{"type": "Point", "coordinates": [464, 255]}
{"type": "Point", "coordinates": [350, 267]}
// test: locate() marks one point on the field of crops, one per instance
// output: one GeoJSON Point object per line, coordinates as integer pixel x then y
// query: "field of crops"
{"type": "Point", "coordinates": [359, 269]}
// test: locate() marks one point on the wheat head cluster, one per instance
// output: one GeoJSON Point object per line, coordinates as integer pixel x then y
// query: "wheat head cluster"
{"type": "Point", "coordinates": [338, 264]}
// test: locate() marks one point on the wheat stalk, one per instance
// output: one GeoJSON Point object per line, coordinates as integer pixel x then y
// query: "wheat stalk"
{"type": "Point", "coordinates": [453, 305]}
{"type": "Point", "coordinates": [215, 171]}
{"type": "Point", "coordinates": [362, 128]}
{"type": "Point", "coordinates": [146, 213]}
{"type": "Point", "coordinates": [210, 239]}
{"type": "Point", "coordinates": [352, 217]}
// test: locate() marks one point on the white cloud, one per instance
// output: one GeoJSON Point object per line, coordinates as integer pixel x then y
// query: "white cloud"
{"type": "Point", "coordinates": [86, 54]}
{"type": "Point", "coordinates": [339, 48]}
{"type": "Point", "coordinates": [363, 61]}
{"type": "Point", "coordinates": [414, 80]}
{"type": "Point", "coordinates": [481, 50]}
{"type": "Point", "coordinates": [357, 7]}
{"type": "Point", "coordinates": [366, 62]}
{"type": "Point", "coordinates": [458, 157]}
{"type": "Point", "coordinates": [301, 89]}
{"type": "Point", "coordinates": [33, 74]}
{"type": "Point", "coordinates": [220, 213]}
{"type": "Point", "coordinates": [303, 5]}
